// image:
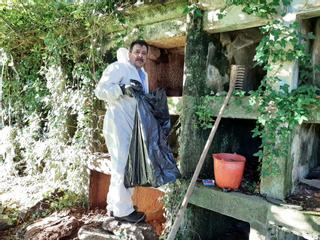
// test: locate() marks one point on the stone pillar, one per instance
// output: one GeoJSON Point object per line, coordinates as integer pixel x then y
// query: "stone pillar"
{"type": "Point", "coordinates": [279, 185]}
{"type": "Point", "coordinates": [196, 85]}
{"type": "Point", "coordinates": [192, 139]}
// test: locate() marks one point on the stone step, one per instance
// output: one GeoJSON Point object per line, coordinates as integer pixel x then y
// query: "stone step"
{"type": "Point", "coordinates": [113, 229]}
{"type": "Point", "coordinates": [94, 231]}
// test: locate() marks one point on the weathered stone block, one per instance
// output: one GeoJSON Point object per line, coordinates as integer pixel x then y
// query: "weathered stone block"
{"type": "Point", "coordinates": [56, 226]}
{"type": "Point", "coordinates": [113, 229]}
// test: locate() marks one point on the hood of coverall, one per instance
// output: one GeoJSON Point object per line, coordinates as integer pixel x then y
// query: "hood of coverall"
{"type": "Point", "coordinates": [123, 55]}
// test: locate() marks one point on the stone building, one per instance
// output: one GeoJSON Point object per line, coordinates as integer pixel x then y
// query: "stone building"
{"type": "Point", "coordinates": [190, 58]}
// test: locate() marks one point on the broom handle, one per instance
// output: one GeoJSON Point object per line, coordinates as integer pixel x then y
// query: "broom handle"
{"type": "Point", "coordinates": [187, 196]}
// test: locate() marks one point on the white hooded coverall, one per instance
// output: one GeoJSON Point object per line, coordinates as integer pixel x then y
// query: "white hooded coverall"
{"type": "Point", "coordinates": [118, 125]}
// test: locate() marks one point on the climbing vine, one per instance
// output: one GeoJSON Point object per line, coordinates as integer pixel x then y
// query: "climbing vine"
{"type": "Point", "coordinates": [265, 9]}
{"type": "Point", "coordinates": [280, 109]}
{"type": "Point", "coordinates": [279, 113]}
{"type": "Point", "coordinates": [172, 199]}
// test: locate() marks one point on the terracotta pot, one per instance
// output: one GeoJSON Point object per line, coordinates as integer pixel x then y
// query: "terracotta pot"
{"type": "Point", "coordinates": [228, 169]}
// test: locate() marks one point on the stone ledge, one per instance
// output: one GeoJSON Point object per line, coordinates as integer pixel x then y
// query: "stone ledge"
{"type": "Point", "coordinates": [252, 209]}
{"type": "Point", "coordinates": [166, 34]}
{"type": "Point", "coordinates": [234, 20]}
{"type": "Point", "coordinates": [238, 107]}
{"type": "Point", "coordinates": [257, 211]}
{"type": "Point", "coordinates": [306, 8]}
{"type": "Point", "coordinates": [300, 223]}
{"type": "Point", "coordinates": [149, 14]}
{"type": "Point", "coordinates": [113, 229]}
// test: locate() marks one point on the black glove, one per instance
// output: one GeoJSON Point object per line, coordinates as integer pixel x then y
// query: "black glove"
{"type": "Point", "coordinates": [135, 87]}
{"type": "Point", "coordinates": [127, 90]}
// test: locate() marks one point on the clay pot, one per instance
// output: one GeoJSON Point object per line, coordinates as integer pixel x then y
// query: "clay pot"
{"type": "Point", "coordinates": [228, 170]}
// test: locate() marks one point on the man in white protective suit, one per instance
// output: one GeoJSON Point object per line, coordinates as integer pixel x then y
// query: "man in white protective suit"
{"type": "Point", "coordinates": [115, 88]}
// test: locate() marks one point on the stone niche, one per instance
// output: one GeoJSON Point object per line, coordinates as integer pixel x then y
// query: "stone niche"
{"type": "Point", "coordinates": [222, 228]}
{"type": "Point", "coordinates": [235, 136]}
{"type": "Point", "coordinates": [313, 71]}
{"type": "Point", "coordinates": [305, 153]}
{"type": "Point", "coordinates": [165, 69]}
{"type": "Point", "coordinates": [238, 48]}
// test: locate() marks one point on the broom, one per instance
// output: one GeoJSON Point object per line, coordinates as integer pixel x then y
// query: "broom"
{"type": "Point", "coordinates": [237, 76]}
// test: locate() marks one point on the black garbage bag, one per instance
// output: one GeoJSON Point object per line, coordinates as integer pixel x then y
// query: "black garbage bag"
{"type": "Point", "coordinates": [150, 161]}
{"type": "Point", "coordinates": [159, 108]}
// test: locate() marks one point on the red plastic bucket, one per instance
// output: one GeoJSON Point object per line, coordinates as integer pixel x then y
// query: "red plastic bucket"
{"type": "Point", "coordinates": [228, 169]}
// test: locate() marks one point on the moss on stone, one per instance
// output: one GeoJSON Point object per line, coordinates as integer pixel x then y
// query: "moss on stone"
{"type": "Point", "coordinates": [165, 29]}
{"type": "Point", "coordinates": [147, 14]}
{"type": "Point", "coordinates": [193, 139]}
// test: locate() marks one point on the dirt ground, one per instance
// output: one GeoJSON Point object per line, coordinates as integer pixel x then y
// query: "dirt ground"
{"type": "Point", "coordinates": [307, 197]}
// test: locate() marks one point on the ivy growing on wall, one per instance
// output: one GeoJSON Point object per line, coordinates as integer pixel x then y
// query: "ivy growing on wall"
{"type": "Point", "coordinates": [280, 108]}
{"type": "Point", "coordinates": [265, 9]}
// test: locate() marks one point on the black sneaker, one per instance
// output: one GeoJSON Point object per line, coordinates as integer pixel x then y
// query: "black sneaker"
{"type": "Point", "coordinates": [134, 217]}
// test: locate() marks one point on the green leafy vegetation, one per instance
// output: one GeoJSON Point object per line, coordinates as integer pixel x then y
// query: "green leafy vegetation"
{"type": "Point", "coordinates": [52, 54]}
{"type": "Point", "coordinates": [280, 109]}
{"type": "Point", "coordinates": [193, 10]}
{"type": "Point", "coordinates": [280, 112]}
{"type": "Point", "coordinates": [204, 112]}
{"type": "Point", "coordinates": [172, 200]}
{"type": "Point", "coordinates": [264, 8]}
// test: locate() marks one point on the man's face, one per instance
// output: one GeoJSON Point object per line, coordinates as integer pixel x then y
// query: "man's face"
{"type": "Point", "coordinates": [138, 55]}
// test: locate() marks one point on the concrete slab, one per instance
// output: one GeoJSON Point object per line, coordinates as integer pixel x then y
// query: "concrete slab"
{"type": "Point", "coordinates": [238, 107]}
{"type": "Point", "coordinates": [251, 209]}
{"type": "Point", "coordinates": [166, 34]}
{"type": "Point", "coordinates": [300, 223]}
{"type": "Point", "coordinates": [258, 212]}
{"type": "Point", "coordinates": [234, 20]}
{"type": "Point", "coordinates": [147, 14]}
